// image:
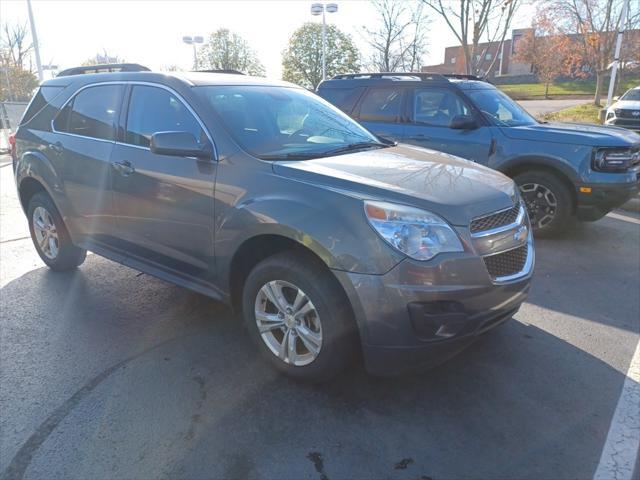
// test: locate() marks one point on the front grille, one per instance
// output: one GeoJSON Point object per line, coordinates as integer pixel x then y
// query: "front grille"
{"type": "Point", "coordinates": [624, 113]}
{"type": "Point", "coordinates": [506, 263]}
{"type": "Point", "coordinates": [495, 220]}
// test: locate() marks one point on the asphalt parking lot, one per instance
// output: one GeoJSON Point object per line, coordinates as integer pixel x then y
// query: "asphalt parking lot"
{"type": "Point", "coordinates": [106, 374]}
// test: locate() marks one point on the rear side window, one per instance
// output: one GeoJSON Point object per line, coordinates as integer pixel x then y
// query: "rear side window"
{"type": "Point", "coordinates": [41, 99]}
{"type": "Point", "coordinates": [153, 110]}
{"type": "Point", "coordinates": [343, 98]}
{"type": "Point", "coordinates": [91, 113]}
{"type": "Point", "coordinates": [381, 105]}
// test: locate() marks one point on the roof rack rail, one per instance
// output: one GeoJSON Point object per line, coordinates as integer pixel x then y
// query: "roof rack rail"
{"type": "Point", "coordinates": [104, 68]}
{"type": "Point", "coordinates": [223, 70]}
{"type": "Point", "coordinates": [462, 76]}
{"type": "Point", "coordinates": [421, 75]}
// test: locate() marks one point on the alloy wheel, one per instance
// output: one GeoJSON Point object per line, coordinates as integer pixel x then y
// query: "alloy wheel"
{"type": "Point", "coordinates": [45, 232]}
{"type": "Point", "coordinates": [288, 323]}
{"type": "Point", "coordinates": [541, 203]}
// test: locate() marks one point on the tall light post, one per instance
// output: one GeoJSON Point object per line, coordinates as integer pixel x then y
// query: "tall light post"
{"type": "Point", "coordinates": [193, 41]}
{"type": "Point", "coordinates": [34, 38]}
{"type": "Point", "coordinates": [616, 60]}
{"type": "Point", "coordinates": [320, 9]}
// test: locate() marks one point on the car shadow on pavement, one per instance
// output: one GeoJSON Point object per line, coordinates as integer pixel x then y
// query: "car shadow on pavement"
{"type": "Point", "coordinates": [106, 373]}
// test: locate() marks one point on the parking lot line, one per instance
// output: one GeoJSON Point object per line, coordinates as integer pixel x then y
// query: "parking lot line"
{"type": "Point", "coordinates": [623, 440]}
{"type": "Point", "coordinates": [626, 218]}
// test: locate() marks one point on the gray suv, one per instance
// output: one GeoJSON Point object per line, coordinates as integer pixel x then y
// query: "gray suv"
{"type": "Point", "coordinates": [330, 241]}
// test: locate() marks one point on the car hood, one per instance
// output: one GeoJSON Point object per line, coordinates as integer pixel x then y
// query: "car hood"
{"type": "Point", "coordinates": [626, 105]}
{"type": "Point", "coordinates": [573, 133]}
{"type": "Point", "coordinates": [455, 189]}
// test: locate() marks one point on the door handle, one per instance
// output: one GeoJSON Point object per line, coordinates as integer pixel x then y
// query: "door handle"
{"type": "Point", "coordinates": [56, 148]}
{"type": "Point", "coordinates": [124, 168]}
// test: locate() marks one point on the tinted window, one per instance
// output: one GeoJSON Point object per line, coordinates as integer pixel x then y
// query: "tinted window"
{"type": "Point", "coordinates": [381, 105]}
{"type": "Point", "coordinates": [92, 112]}
{"type": "Point", "coordinates": [437, 106]}
{"type": "Point", "coordinates": [153, 110]}
{"type": "Point", "coordinates": [343, 98]}
{"type": "Point", "coordinates": [43, 96]}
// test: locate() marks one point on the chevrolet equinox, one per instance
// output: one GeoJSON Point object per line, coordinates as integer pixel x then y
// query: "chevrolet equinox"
{"type": "Point", "coordinates": [329, 240]}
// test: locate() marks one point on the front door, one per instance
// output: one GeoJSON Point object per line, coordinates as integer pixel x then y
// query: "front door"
{"type": "Point", "coordinates": [431, 112]}
{"type": "Point", "coordinates": [164, 203]}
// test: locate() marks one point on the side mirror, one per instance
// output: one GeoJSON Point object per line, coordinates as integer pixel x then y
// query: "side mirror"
{"type": "Point", "coordinates": [463, 122]}
{"type": "Point", "coordinates": [178, 144]}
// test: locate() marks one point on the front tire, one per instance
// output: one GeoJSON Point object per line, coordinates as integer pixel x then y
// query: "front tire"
{"type": "Point", "coordinates": [298, 316]}
{"type": "Point", "coordinates": [50, 235]}
{"type": "Point", "coordinates": [548, 200]}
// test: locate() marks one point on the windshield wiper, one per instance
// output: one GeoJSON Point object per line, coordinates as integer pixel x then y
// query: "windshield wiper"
{"type": "Point", "coordinates": [292, 156]}
{"type": "Point", "coordinates": [354, 146]}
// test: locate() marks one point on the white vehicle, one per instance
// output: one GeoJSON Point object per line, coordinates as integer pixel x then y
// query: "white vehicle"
{"type": "Point", "coordinates": [625, 112]}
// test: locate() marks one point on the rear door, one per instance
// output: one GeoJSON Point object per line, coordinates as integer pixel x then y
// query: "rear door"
{"type": "Point", "coordinates": [83, 138]}
{"type": "Point", "coordinates": [381, 111]}
{"type": "Point", "coordinates": [431, 110]}
{"type": "Point", "coordinates": [164, 203]}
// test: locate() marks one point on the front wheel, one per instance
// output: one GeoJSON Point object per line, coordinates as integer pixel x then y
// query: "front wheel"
{"type": "Point", "coordinates": [548, 201]}
{"type": "Point", "coordinates": [298, 317]}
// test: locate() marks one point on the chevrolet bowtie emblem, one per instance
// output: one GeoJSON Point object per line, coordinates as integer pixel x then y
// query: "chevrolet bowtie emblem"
{"type": "Point", "coordinates": [521, 234]}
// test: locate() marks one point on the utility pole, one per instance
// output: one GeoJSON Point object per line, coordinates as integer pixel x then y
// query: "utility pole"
{"type": "Point", "coordinates": [616, 59]}
{"type": "Point", "coordinates": [36, 46]}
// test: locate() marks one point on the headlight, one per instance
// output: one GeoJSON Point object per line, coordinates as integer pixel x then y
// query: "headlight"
{"type": "Point", "coordinates": [614, 160]}
{"type": "Point", "coordinates": [417, 233]}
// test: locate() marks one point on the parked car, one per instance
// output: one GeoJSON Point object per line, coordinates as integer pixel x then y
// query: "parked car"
{"type": "Point", "coordinates": [563, 170]}
{"type": "Point", "coordinates": [262, 195]}
{"type": "Point", "coordinates": [625, 112]}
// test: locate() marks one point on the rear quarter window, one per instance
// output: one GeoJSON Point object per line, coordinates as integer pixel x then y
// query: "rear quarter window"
{"type": "Point", "coordinates": [343, 98]}
{"type": "Point", "coordinates": [41, 99]}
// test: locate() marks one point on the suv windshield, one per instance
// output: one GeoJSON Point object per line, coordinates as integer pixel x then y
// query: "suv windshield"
{"type": "Point", "coordinates": [277, 123]}
{"type": "Point", "coordinates": [632, 95]}
{"type": "Point", "coordinates": [499, 108]}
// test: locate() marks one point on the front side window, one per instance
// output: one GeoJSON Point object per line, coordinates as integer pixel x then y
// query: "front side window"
{"type": "Point", "coordinates": [92, 112]}
{"type": "Point", "coordinates": [283, 123]}
{"type": "Point", "coordinates": [152, 110]}
{"type": "Point", "coordinates": [437, 107]}
{"type": "Point", "coordinates": [381, 105]}
{"type": "Point", "coordinates": [499, 109]}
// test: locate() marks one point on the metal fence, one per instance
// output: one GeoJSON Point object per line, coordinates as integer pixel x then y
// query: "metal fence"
{"type": "Point", "coordinates": [10, 115]}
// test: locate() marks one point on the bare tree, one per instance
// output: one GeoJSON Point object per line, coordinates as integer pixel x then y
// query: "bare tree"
{"type": "Point", "coordinates": [399, 42]}
{"type": "Point", "coordinates": [15, 45]}
{"type": "Point", "coordinates": [102, 58]}
{"type": "Point", "coordinates": [595, 23]}
{"type": "Point", "coordinates": [474, 22]}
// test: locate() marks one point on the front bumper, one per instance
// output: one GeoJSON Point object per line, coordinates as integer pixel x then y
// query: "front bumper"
{"type": "Point", "coordinates": [419, 314]}
{"type": "Point", "coordinates": [604, 197]}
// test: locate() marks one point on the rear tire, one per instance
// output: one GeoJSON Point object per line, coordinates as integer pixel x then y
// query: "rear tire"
{"type": "Point", "coordinates": [50, 235]}
{"type": "Point", "coordinates": [314, 344]}
{"type": "Point", "coordinates": [548, 200]}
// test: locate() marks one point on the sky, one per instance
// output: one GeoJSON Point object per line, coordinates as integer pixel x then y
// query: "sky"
{"type": "Point", "coordinates": [150, 32]}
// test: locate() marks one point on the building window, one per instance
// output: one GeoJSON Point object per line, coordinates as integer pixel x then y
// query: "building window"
{"type": "Point", "coordinates": [477, 58]}
{"type": "Point", "coordinates": [453, 59]}
{"type": "Point", "coordinates": [488, 56]}
{"type": "Point", "coordinates": [499, 55]}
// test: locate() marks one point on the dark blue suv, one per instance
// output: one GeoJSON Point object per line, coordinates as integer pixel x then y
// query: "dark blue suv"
{"type": "Point", "coordinates": [563, 170]}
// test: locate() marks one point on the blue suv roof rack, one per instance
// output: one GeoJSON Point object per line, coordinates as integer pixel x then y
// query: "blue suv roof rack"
{"type": "Point", "coordinates": [422, 76]}
{"type": "Point", "coordinates": [104, 68]}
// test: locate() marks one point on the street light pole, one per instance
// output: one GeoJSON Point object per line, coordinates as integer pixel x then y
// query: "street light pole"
{"type": "Point", "coordinates": [36, 46]}
{"type": "Point", "coordinates": [616, 56]}
{"type": "Point", "coordinates": [193, 41]}
{"type": "Point", "coordinates": [317, 9]}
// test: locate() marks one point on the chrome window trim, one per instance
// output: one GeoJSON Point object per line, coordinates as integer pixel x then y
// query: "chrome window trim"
{"type": "Point", "coordinates": [504, 228]}
{"type": "Point", "coordinates": [135, 82]}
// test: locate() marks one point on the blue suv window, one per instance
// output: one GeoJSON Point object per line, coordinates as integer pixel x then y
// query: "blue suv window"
{"type": "Point", "coordinates": [381, 105]}
{"type": "Point", "coordinates": [437, 106]}
{"type": "Point", "coordinates": [91, 113]}
{"type": "Point", "coordinates": [152, 110]}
